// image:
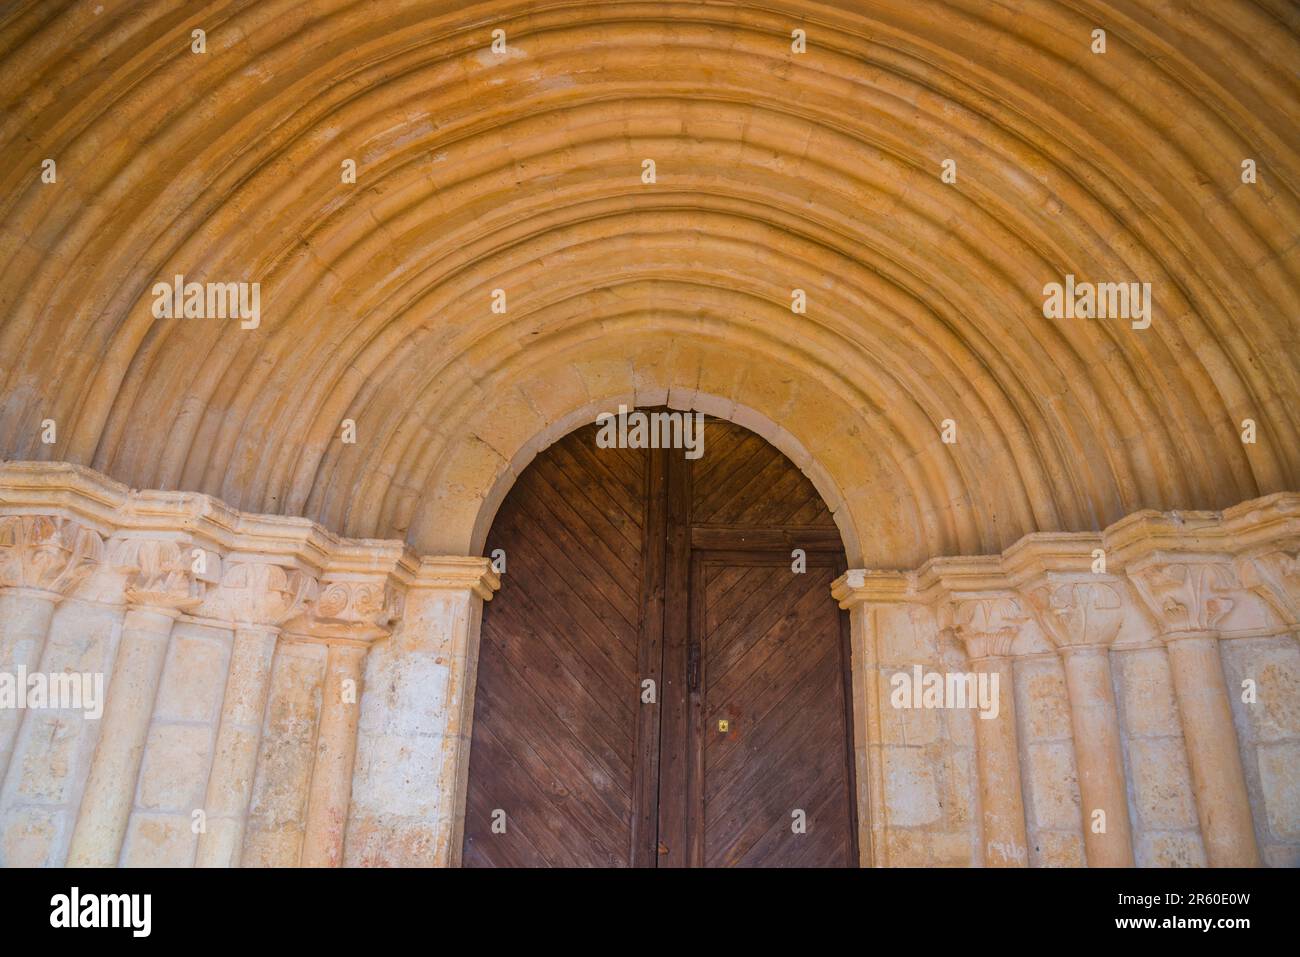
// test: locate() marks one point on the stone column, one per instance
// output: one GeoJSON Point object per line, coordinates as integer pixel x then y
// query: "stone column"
{"type": "Point", "coordinates": [347, 617]}
{"type": "Point", "coordinates": [161, 586]}
{"type": "Point", "coordinates": [987, 627]}
{"type": "Point", "coordinates": [42, 559]}
{"type": "Point", "coordinates": [336, 748]}
{"type": "Point", "coordinates": [1081, 614]}
{"type": "Point", "coordinates": [1188, 595]}
{"type": "Point", "coordinates": [258, 598]}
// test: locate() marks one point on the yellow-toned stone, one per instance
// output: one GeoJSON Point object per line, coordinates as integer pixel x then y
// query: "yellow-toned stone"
{"type": "Point", "coordinates": [775, 172]}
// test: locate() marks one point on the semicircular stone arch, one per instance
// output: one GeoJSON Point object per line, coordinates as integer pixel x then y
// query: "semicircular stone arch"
{"type": "Point", "coordinates": [775, 172]}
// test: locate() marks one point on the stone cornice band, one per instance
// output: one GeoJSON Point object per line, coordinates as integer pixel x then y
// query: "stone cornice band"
{"type": "Point", "coordinates": [63, 523]}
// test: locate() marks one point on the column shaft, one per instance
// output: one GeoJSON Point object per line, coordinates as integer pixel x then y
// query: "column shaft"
{"type": "Point", "coordinates": [1213, 753]}
{"type": "Point", "coordinates": [997, 758]}
{"type": "Point", "coordinates": [336, 746]}
{"type": "Point", "coordinates": [230, 784]}
{"type": "Point", "coordinates": [25, 615]}
{"type": "Point", "coordinates": [110, 789]}
{"type": "Point", "coordinates": [1095, 723]}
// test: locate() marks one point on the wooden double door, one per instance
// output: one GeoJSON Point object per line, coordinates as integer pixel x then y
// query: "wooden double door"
{"type": "Point", "coordinates": [661, 681]}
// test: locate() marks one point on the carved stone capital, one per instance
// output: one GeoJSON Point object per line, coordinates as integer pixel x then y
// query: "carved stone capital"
{"type": "Point", "coordinates": [1078, 610]}
{"type": "Point", "coordinates": [362, 610]}
{"type": "Point", "coordinates": [987, 626]}
{"type": "Point", "coordinates": [47, 552]}
{"type": "Point", "coordinates": [1275, 577]}
{"type": "Point", "coordinates": [1187, 594]}
{"type": "Point", "coordinates": [160, 573]}
{"type": "Point", "coordinates": [258, 593]}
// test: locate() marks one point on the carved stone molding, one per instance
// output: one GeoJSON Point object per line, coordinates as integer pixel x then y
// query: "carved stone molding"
{"type": "Point", "coordinates": [258, 593]}
{"type": "Point", "coordinates": [1078, 610]}
{"type": "Point", "coordinates": [456, 573]}
{"type": "Point", "coordinates": [1275, 577]}
{"type": "Point", "coordinates": [160, 573]}
{"type": "Point", "coordinates": [1187, 594]}
{"type": "Point", "coordinates": [349, 610]}
{"type": "Point", "coordinates": [986, 626]}
{"type": "Point", "coordinates": [47, 552]}
{"type": "Point", "coordinates": [861, 586]}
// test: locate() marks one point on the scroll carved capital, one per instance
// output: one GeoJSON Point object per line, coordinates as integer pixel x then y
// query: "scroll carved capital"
{"type": "Point", "coordinates": [987, 626]}
{"type": "Point", "coordinates": [159, 573]}
{"type": "Point", "coordinates": [47, 552]}
{"type": "Point", "coordinates": [344, 609]}
{"type": "Point", "coordinates": [1275, 577]}
{"type": "Point", "coordinates": [1186, 596]}
{"type": "Point", "coordinates": [259, 593]}
{"type": "Point", "coordinates": [1076, 611]}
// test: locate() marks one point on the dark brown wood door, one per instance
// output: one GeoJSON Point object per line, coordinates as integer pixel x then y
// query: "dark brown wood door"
{"type": "Point", "coordinates": [630, 570]}
{"type": "Point", "coordinates": [557, 697]}
{"type": "Point", "coordinates": [771, 694]}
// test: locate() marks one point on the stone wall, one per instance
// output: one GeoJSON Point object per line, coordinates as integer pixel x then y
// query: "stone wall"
{"type": "Point", "coordinates": [1148, 672]}
{"type": "Point", "coordinates": [274, 694]}
{"type": "Point", "coordinates": [235, 653]}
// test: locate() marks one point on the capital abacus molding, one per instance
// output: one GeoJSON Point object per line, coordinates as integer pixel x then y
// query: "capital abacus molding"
{"type": "Point", "coordinates": [1266, 533]}
{"type": "Point", "coordinates": [974, 600]}
{"type": "Point", "coordinates": [454, 573]}
{"type": "Point", "coordinates": [1267, 527]}
{"type": "Point", "coordinates": [112, 508]}
{"type": "Point", "coordinates": [866, 586]}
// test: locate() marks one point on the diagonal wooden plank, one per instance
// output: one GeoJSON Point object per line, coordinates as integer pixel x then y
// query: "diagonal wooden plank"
{"type": "Point", "coordinates": [583, 712]}
{"type": "Point", "coordinates": [572, 473]}
{"type": "Point", "coordinates": [586, 657]}
{"type": "Point", "coordinates": [744, 819]}
{"type": "Point", "coordinates": [548, 577]}
{"type": "Point", "coordinates": [766, 726]}
{"type": "Point", "coordinates": [783, 614]}
{"type": "Point", "coordinates": [710, 504]}
{"type": "Point", "coordinates": [590, 576]}
{"type": "Point", "coordinates": [602, 515]}
{"type": "Point", "coordinates": [573, 760]}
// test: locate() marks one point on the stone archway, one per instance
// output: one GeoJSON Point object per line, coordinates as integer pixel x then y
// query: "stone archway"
{"type": "Point", "coordinates": [846, 247]}
{"type": "Point", "coordinates": [779, 171]}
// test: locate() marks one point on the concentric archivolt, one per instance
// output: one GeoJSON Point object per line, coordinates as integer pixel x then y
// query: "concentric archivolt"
{"type": "Point", "coordinates": [775, 170]}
